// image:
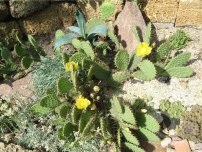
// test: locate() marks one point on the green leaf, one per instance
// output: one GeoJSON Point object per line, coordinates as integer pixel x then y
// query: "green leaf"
{"type": "Point", "coordinates": [19, 50]}
{"type": "Point", "coordinates": [66, 39]}
{"type": "Point", "coordinates": [26, 62]}
{"type": "Point", "coordinates": [75, 29]}
{"type": "Point", "coordinates": [32, 41]}
{"type": "Point", "coordinates": [122, 60]}
{"type": "Point", "coordinates": [64, 85]}
{"type": "Point", "coordinates": [98, 30]}
{"type": "Point", "coordinates": [81, 22]}
{"type": "Point", "coordinates": [179, 60]}
{"type": "Point", "coordinates": [92, 23]}
{"type": "Point", "coordinates": [129, 137]}
{"type": "Point", "coordinates": [5, 53]}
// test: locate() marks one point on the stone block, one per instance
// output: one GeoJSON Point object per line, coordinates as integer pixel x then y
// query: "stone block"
{"type": "Point", "coordinates": [163, 11]}
{"type": "Point", "coordinates": [49, 20]}
{"type": "Point", "coordinates": [8, 31]}
{"type": "Point", "coordinates": [4, 11]}
{"type": "Point", "coordinates": [23, 8]}
{"type": "Point", "coordinates": [189, 13]}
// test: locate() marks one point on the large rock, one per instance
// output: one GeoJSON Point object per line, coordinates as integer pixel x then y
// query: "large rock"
{"type": "Point", "coordinates": [161, 10]}
{"type": "Point", "coordinates": [49, 20]}
{"type": "Point", "coordinates": [23, 8]}
{"type": "Point", "coordinates": [8, 33]}
{"type": "Point", "coordinates": [22, 87]}
{"type": "Point", "coordinates": [129, 17]}
{"type": "Point", "coordinates": [4, 11]}
{"type": "Point", "coordinates": [189, 13]}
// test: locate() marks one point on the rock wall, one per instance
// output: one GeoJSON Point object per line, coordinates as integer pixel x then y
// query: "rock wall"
{"type": "Point", "coordinates": [39, 17]}
{"type": "Point", "coordinates": [178, 12]}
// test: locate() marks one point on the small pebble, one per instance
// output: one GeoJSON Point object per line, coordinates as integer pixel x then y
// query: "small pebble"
{"type": "Point", "coordinates": [165, 142]}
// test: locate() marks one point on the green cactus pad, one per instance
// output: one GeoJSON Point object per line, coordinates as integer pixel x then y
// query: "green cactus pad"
{"type": "Point", "coordinates": [179, 60]}
{"type": "Point", "coordinates": [50, 101]}
{"type": "Point", "coordinates": [63, 85]}
{"type": "Point", "coordinates": [63, 111]}
{"type": "Point", "coordinates": [107, 9]}
{"type": "Point", "coordinates": [65, 58]}
{"type": "Point", "coordinates": [89, 125]}
{"type": "Point", "coordinates": [84, 118]}
{"type": "Point", "coordinates": [133, 147]}
{"type": "Point", "coordinates": [26, 62]}
{"type": "Point", "coordinates": [179, 72]}
{"type": "Point", "coordinates": [128, 116]}
{"type": "Point", "coordinates": [68, 130]}
{"type": "Point", "coordinates": [103, 127]}
{"type": "Point", "coordinates": [113, 38]}
{"type": "Point", "coordinates": [76, 43]}
{"type": "Point", "coordinates": [148, 135]}
{"type": "Point", "coordinates": [136, 33]}
{"type": "Point", "coordinates": [147, 36]}
{"type": "Point", "coordinates": [148, 122]}
{"type": "Point", "coordinates": [147, 71]}
{"type": "Point", "coordinates": [100, 71]}
{"type": "Point", "coordinates": [88, 49]}
{"type": "Point", "coordinates": [120, 76]}
{"type": "Point", "coordinates": [59, 33]}
{"type": "Point", "coordinates": [129, 137]}
{"type": "Point", "coordinates": [37, 109]}
{"type": "Point", "coordinates": [78, 57]}
{"type": "Point", "coordinates": [122, 60]}
{"type": "Point", "coordinates": [75, 115]}
{"type": "Point", "coordinates": [60, 134]}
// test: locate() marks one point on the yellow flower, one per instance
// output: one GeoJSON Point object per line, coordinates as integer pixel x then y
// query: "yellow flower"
{"type": "Point", "coordinates": [71, 66]}
{"type": "Point", "coordinates": [143, 49]}
{"type": "Point", "coordinates": [82, 103]}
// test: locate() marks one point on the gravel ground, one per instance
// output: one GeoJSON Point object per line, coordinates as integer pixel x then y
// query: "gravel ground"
{"type": "Point", "coordinates": [186, 90]}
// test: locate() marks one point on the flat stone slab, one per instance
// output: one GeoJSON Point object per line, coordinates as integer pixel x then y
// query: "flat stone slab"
{"type": "Point", "coordinates": [22, 87]}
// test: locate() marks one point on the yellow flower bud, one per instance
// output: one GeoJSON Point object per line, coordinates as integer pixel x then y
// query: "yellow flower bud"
{"type": "Point", "coordinates": [96, 88]}
{"type": "Point", "coordinates": [71, 66]}
{"type": "Point", "coordinates": [143, 110]}
{"type": "Point", "coordinates": [143, 49]}
{"type": "Point", "coordinates": [82, 103]}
